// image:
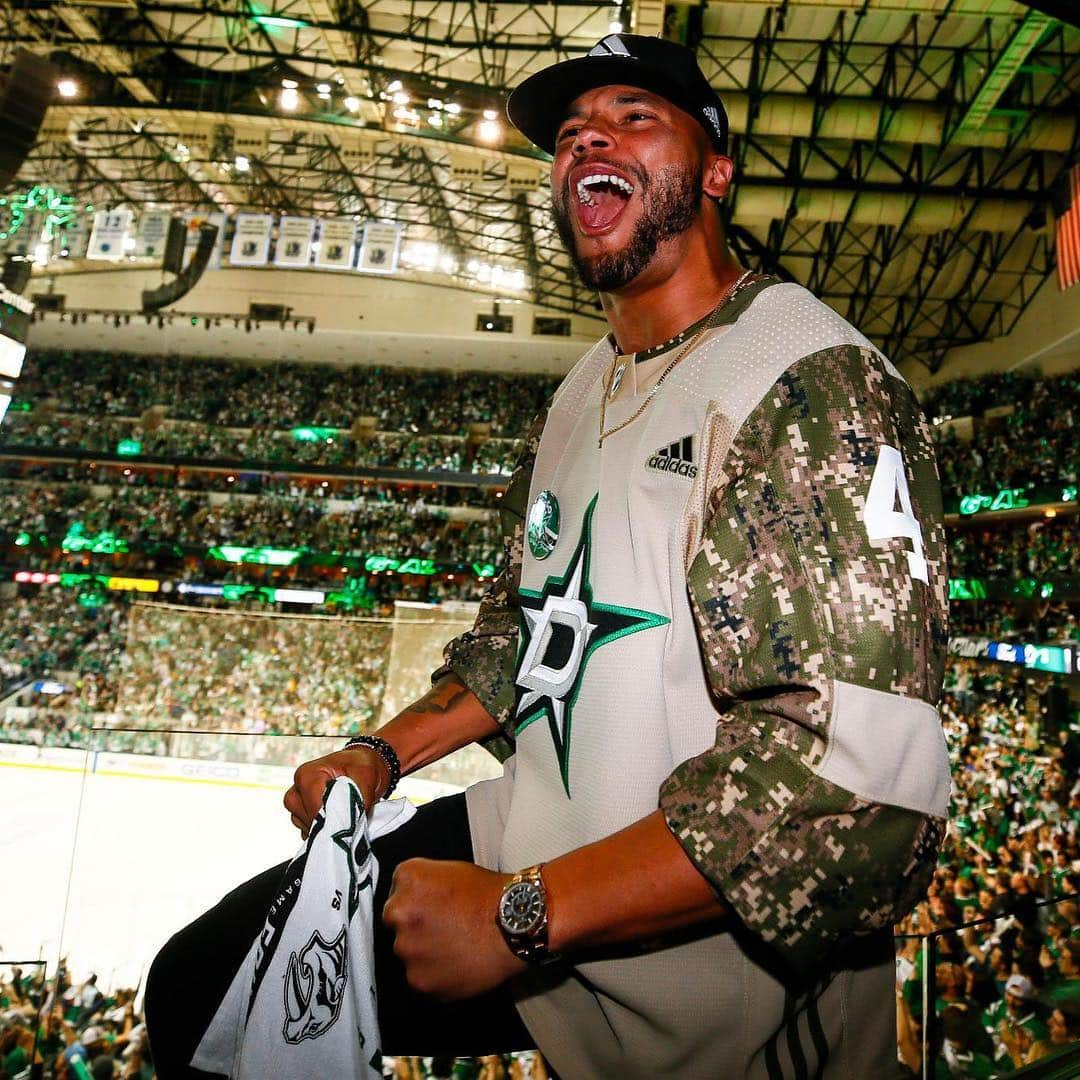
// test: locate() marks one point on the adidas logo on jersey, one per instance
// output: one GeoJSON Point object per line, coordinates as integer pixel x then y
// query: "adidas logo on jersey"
{"type": "Point", "coordinates": [677, 458]}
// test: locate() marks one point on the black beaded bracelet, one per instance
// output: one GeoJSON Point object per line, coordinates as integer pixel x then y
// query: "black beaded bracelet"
{"type": "Point", "coordinates": [386, 752]}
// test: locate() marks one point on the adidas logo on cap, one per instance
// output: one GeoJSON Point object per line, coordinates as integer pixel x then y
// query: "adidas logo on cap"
{"type": "Point", "coordinates": [611, 46]}
{"type": "Point", "coordinates": [677, 458]}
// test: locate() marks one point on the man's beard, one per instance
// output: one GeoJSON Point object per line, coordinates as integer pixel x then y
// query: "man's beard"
{"type": "Point", "coordinates": [670, 199]}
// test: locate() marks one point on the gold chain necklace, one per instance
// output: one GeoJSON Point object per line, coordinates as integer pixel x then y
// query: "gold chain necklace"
{"type": "Point", "coordinates": [683, 352]}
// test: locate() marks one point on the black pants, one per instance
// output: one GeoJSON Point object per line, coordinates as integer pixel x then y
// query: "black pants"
{"type": "Point", "coordinates": [190, 975]}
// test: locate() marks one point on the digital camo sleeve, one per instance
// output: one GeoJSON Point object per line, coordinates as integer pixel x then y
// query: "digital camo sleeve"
{"type": "Point", "coordinates": [483, 658]}
{"type": "Point", "coordinates": [819, 591]}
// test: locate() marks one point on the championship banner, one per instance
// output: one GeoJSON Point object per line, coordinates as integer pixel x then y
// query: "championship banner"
{"type": "Point", "coordinates": [294, 241]}
{"type": "Point", "coordinates": [152, 233]}
{"type": "Point", "coordinates": [192, 221]}
{"type": "Point", "coordinates": [107, 237]}
{"type": "Point", "coordinates": [379, 245]}
{"type": "Point", "coordinates": [251, 240]}
{"type": "Point", "coordinates": [336, 238]}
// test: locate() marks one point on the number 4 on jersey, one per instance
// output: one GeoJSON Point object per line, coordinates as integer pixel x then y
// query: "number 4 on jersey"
{"type": "Point", "coordinates": [883, 521]}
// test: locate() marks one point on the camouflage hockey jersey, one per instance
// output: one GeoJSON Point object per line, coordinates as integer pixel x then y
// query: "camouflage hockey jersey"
{"type": "Point", "coordinates": [734, 609]}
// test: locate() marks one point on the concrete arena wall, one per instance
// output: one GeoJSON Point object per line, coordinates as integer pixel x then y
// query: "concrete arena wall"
{"type": "Point", "coordinates": [144, 844]}
{"type": "Point", "coordinates": [359, 318]}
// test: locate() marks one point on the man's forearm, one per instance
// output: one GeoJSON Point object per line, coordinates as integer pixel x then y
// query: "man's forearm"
{"type": "Point", "coordinates": [446, 718]}
{"type": "Point", "coordinates": [633, 885]}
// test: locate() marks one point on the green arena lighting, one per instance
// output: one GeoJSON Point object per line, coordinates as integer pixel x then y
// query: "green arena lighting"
{"type": "Point", "coordinates": [129, 447]}
{"type": "Point", "coordinates": [313, 434]}
{"type": "Point", "coordinates": [1005, 499]}
{"type": "Point", "coordinates": [260, 556]}
{"type": "Point", "coordinates": [280, 22]}
{"type": "Point", "coordinates": [102, 543]}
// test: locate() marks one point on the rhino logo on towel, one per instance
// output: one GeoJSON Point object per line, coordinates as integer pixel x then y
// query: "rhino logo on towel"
{"type": "Point", "coordinates": [315, 987]}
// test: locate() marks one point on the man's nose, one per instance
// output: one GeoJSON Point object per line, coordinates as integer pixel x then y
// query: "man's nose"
{"type": "Point", "coordinates": [592, 135]}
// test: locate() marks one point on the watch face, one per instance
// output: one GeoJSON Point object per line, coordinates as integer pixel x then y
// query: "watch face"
{"type": "Point", "coordinates": [521, 909]}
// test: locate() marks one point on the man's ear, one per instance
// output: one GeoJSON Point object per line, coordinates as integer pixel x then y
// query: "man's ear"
{"type": "Point", "coordinates": [716, 178]}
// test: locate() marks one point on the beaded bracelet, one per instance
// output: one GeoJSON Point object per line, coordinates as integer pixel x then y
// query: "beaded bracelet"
{"type": "Point", "coordinates": [388, 755]}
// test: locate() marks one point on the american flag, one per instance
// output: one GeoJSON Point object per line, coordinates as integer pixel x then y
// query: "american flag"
{"type": "Point", "coordinates": [1065, 198]}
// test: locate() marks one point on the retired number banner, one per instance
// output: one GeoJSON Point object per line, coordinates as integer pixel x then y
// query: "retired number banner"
{"type": "Point", "coordinates": [107, 237]}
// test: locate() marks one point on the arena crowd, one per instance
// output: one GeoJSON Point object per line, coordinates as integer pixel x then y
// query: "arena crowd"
{"type": "Point", "coordinates": [1005, 991]}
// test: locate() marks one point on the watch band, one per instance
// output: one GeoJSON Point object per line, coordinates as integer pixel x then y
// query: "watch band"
{"type": "Point", "coordinates": [386, 752]}
{"type": "Point", "coordinates": [531, 947]}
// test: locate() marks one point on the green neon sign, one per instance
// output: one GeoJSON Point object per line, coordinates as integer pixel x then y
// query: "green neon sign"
{"type": "Point", "coordinates": [261, 556]}
{"type": "Point", "coordinates": [129, 447]}
{"type": "Point", "coordinates": [377, 564]}
{"type": "Point", "coordinates": [57, 210]}
{"type": "Point", "coordinates": [102, 543]}
{"type": "Point", "coordinates": [314, 434]}
{"type": "Point", "coordinates": [966, 589]}
{"type": "Point", "coordinates": [1005, 499]}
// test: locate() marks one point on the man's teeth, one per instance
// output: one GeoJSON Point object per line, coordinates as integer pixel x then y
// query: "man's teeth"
{"type": "Point", "coordinates": [597, 179]}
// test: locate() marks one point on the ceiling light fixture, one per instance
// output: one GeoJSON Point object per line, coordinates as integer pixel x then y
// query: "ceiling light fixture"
{"type": "Point", "coordinates": [67, 87]}
{"type": "Point", "coordinates": [489, 130]}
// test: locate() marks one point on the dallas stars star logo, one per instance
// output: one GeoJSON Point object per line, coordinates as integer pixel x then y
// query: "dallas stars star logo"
{"type": "Point", "coordinates": [353, 841]}
{"type": "Point", "coordinates": [562, 626]}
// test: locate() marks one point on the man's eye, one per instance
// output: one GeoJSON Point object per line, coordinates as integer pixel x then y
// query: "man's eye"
{"type": "Point", "coordinates": [566, 133]}
{"type": "Point", "coordinates": [639, 116]}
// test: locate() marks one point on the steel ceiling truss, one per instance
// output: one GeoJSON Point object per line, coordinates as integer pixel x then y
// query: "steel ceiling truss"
{"type": "Point", "coordinates": [914, 290]}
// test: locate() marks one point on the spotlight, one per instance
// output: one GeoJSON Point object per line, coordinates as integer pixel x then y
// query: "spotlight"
{"type": "Point", "coordinates": [241, 164]}
{"type": "Point", "coordinates": [453, 108]}
{"type": "Point", "coordinates": [488, 129]}
{"type": "Point", "coordinates": [67, 87]}
{"type": "Point", "coordinates": [289, 98]}
{"type": "Point", "coordinates": [352, 103]}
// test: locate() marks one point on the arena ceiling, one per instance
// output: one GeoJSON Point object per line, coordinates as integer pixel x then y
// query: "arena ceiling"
{"type": "Point", "coordinates": [895, 156]}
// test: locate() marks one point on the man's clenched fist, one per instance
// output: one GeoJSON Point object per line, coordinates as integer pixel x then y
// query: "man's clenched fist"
{"type": "Point", "coordinates": [365, 768]}
{"type": "Point", "coordinates": [443, 917]}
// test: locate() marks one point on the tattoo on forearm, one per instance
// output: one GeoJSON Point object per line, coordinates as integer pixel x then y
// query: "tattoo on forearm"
{"type": "Point", "coordinates": [439, 699]}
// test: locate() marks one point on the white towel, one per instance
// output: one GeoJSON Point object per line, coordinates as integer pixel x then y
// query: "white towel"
{"type": "Point", "coordinates": [303, 1003]}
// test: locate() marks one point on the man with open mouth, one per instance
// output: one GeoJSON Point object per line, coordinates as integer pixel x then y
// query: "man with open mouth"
{"type": "Point", "coordinates": [715, 651]}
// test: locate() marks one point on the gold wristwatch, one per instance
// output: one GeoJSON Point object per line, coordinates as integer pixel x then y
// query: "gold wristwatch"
{"type": "Point", "coordinates": [523, 916]}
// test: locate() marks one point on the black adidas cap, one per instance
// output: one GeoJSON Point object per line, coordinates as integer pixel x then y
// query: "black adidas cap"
{"type": "Point", "coordinates": [539, 104]}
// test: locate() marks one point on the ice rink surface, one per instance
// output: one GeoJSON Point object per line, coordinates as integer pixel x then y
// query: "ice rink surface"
{"type": "Point", "coordinates": [146, 854]}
